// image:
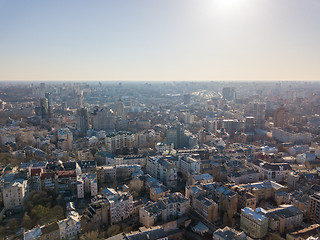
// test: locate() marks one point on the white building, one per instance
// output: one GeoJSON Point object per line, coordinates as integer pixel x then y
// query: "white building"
{"type": "Point", "coordinates": [189, 165]}
{"type": "Point", "coordinates": [70, 226]}
{"type": "Point", "coordinates": [87, 184]}
{"type": "Point", "coordinates": [254, 222]}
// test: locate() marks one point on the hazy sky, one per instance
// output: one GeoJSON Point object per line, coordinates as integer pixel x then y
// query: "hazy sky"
{"type": "Point", "coordinates": [160, 40]}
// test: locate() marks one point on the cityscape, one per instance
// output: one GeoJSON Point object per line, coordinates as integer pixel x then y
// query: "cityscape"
{"type": "Point", "coordinates": [160, 160]}
{"type": "Point", "coordinates": [160, 120]}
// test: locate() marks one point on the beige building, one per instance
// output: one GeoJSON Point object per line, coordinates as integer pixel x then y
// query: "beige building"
{"type": "Point", "coordinates": [207, 208]}
{"type": "Point", "coordinates": [254, 222]}
{"type": "Point", "coordinates": [313, 210]}
{"type": "Point", "coordinates": [168, 208]}
{"type": "Point", "coordinates": [14, 193]}
{"type": "Point", "coordinates": [285, 218]}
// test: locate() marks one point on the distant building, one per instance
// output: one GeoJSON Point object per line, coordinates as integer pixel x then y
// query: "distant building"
{"type": "Point", "coordinates": [229, 93]}
{"type": "Point", "coordinates": [186, 98]}
{"type": "Point", "coordinates": [120, 143]}
{"type": "Point", "coordinates": [103, 119]}
{"type": "Point", "coordinates": [281, 117]}
{"type": "Point", "coordinates": [82, 121]}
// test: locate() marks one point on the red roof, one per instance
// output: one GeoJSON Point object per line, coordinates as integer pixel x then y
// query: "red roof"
{"type": "Point", "coordinates": [36, 172]}
{"type": "Point", "coordinates": [70, 173]}
{"type": "Point", "coordinates": [47, 175]}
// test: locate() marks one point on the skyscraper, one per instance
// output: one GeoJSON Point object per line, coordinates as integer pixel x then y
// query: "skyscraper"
{"type": "Point", "coordinates": [258, 111]}
{"type": "Point", "coordinates": [229, 93]}
{"type": "Point", "coordinates": [44, 108]}
{"type": "Point", "coordinates": [119, 107]}
{"type": "Point", "coordinates": [49, 98]}
{"type": "Point", "coordinates": [82, 121]}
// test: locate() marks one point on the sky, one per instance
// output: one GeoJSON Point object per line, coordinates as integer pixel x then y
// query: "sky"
{"type": "Point", "coordinates": [159, 40]}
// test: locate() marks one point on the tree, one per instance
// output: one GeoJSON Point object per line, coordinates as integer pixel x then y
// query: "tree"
{"type": "Point", "coordinates": [92, 235]}
{"type": "Point", "coordinates": [27, 221]}
{"type": "Point", "coordinates": [135, 187]}
{"type": "Point", "coordinates": [113, 230]}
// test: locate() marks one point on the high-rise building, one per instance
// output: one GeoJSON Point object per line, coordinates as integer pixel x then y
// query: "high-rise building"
{"type": "Point", "coordinates": [281, 117]}
{"type": "Point", "coordinates": [119, 107]}
{"type": "Point", "coordinates": [175, 135]}
{"type": "Point", "coordinates": [229, 93]}
{"type": "Point", "coordinates": [103, 119]}
{"type": "Point", "coordinates": [82, 121]}
{"type": "Point", "coordinates": [79, 103]}
{"type": "Point", "coordinates": [44, 108]}
{"type": "Point", "coordinates": [49, 98]}
{"type": "Point", "coordinates": [258, 111]}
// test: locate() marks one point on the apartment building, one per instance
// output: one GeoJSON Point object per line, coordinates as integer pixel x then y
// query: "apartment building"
{"type": "Point", "coordinates": [254, 222]}
{"type": "Point", "coordinates": [285, 218]}
{"type": "Point", "coordinates": [168, 208]}
{"type": "Point", "coordinates": [14, 193]}
{"type": "Point", "coordinates": [163, 170]}
{"type": "Point", "coordinates": [87, 184]}
{"type": "Point", "coordinates": [207, 208]}
{"type": "Point", "coordinates": [313, 210]}
{"type": "Point", "coordinates": [120, 205]}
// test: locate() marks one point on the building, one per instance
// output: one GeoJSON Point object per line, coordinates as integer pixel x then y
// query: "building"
{"type": "Point", "coordinates": [313, 210]}
{"type": "Point", "coordinates": [120, 205]}
{"type": "Point", "coordinates": [228, 233]}
{"type": "Point", "coordinates": [285, 136]}
{"type": "Point", "coordinates": [175, 135]}
{"type": "Point", "coordinates": [44, 108]}
{"type": "Point", "coordinates": [121, 143]}
{"type": "Point", "coordinates": [254, 222]}
{"type": "Point", "coordinates": [281, 117]}
{"type": "Point", "coordinates": [263, 190]}
{"type": "Point", "coordinates": [14, 194]}
{"type": "Point", "coordinates": [284, 218]}
{"type": "Point", "coordinates": [82, 121]}
{"type": "Point", "coordinates": [229, 93]}
{"type": "Point", "coordinates": [305, 233]}
{"type": "Point", "coordinates": [163, 170]}
{"type": "Point", "coordinates": [207, 208]}
{"type": "Point", "coordinates": [70, 226]}
{"type": "Point", "coordinates": [103, 119]}
{"type": "Point", "coordinates": [165, 209]}
{"type": "Point", "coordinates": [87, 185]}
{"type": "Point", "coordinates": [189, 165]}
{"type": "Point", "coordinates": [119, 108]}
{"type": "Point", "coordinates": [65, 139]}
{"type": "Point", "coordinates": [258, 111]}
{"type": "Point", "coordinates": [45, 232]}
{"type": "Point", "coordinates": [97, 213]}
{"type": "Point", "coordinates": [277, 172]}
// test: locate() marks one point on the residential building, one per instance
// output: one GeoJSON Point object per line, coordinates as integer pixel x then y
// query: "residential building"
{"type": "Point", "coordinates": [14, 193]}
{"type": "Point", "coordinates": [254, 222]}
{"type": "Point", "coordinates": [163, 170]}
{"type": "Point", "coordinates": [70, 226]}
{"type": "Point", "coordinates": [168, 208]}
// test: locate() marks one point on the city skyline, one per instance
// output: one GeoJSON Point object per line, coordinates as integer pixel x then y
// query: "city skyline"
{"type": "Point", "coordinates": [159, 41]}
